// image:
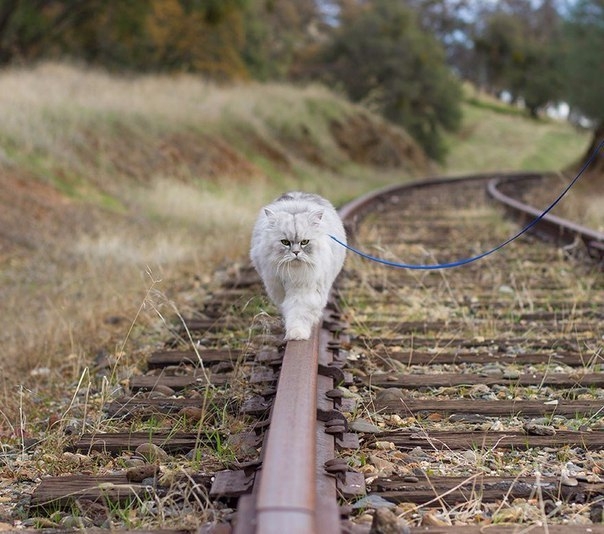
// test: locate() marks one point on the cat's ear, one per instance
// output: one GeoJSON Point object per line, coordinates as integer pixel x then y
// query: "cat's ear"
{"type": "Point", "coordinates": [271, 218]}
{"type": "Point", "coordinates": [315, 217]}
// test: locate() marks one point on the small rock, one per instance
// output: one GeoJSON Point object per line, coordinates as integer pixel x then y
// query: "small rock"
{"type": "Point", "coordinates": [384, 467]}
{"type": "Point", "coordinates": [384, 445]}
{"type": "Point", "coordinates": [75, 522]}
{"type": "Point", "coordinates": [133, 462]}
{"type": "Point", "coordinates": [373, 501]}
{"type": "Point", "coordinates": [491, 370]}
{"type": "Point", "coordinates": [511, 374]}
{"type": "Point", "coordinates": [193, 414]}
{"type": "Point", "coordinates": [470, 456]}
{"type": "Point", "coordinates": [365, 518]}
{"type": "Point", "coordinates": [432, 520]}
{"type": "Point", "coordinates": [362, 425]}
{"type": "Point", "coordinates": [417, 453]}
{"type": "Point", "coordinates": [497, 426]}
{"type": "Point", "coordinates": [394, 419]}
{"type": "Point", "coordinates": [567, 480]}
{"type": "Point", "coordinates": [386, 522]}
{"type": "Point", "coordinates": [151, 452]}
{"type": "Point", "coordinates": [161, 391]}
{"type": "Point", "coordinates": [140, 473]}
{"type": "Point", "coordinates": [389, 395]}
{"type": "Point", "coordinates": [479, 390]}
{"type": "Point", "coordinates": [534, 429]}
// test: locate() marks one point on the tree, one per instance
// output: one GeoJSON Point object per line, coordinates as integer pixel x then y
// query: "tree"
{"type": "Point", "coordinates": [380, 56]}
{"type": "Point", "coordinates": [584, 64]}
{"type": "Point", "coordinates": [450, 22]}
{"type": "Point", "coordinates": [277, 34]}
{"type": "Point", "coordinates": [206, 37]}
{"type": "Point", "coordinates": [30, 28]}
{"type": "Point", "coordinates": [199, 36]}
{"type": "Point", "coordinates": [498, 47]}
{"type": "Point", "coordinates": [518, 47]}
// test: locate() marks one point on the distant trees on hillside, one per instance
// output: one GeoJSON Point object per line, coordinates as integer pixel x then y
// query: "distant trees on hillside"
{"type": "Point", "coordinates": [381, 56]}
{"type": "Point", "coordinates": [396, 55]}
{"type": "Point", "coordinates": [517, 49]}
{"type": "Point", "coordinates": [584, 66]}
{"type": "Point", "coordinates": [205, 36]}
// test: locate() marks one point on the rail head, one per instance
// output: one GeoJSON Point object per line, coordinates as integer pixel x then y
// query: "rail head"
{"type": "Point", "coordinates": [550, 226]}
{"type": "Point", "coordinates": [286, 498]}
{"type": "Point", "coordinates": [286, 495]}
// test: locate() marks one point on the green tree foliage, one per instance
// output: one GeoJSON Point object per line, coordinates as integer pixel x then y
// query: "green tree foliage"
{"type": "Point", "coordinates": [277, 34]}
{"type": "Point", "coordinates": [30, 29]}
{"type": "Point", "coordinates": [584, 66]}
{"type": "Point", "coordinates": [201, 36]}
{"type": "Point", "coordinates": [584, 62]}
{"type": "Point", "coordinates": [518, 50]}
{"type": "Point", "coordinates": [499, 46]}
{"type": "Point", "coordinates": [450, 23]}
{"type": "Point", "coordinates": [381, 56]}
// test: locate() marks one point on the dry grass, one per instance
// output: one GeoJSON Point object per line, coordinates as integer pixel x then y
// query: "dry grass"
{"type": "Point", "coordinates": [447, 297]}
{"type": "Point", "coordinates": [106, 178]}
{"type": "Point", "coordinates": [119, 197]}
{"type": "Point", "coordinates": [153, 173]}
{"type": "Point", "coordinates": [496, 137]}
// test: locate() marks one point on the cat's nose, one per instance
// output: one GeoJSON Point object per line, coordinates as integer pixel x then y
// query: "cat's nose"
{"type": "Point", "coordinates": [296, 252]}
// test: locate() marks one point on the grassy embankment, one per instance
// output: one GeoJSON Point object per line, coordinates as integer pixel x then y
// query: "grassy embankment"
{"type": "Point", "coordinates": [117, 195]}
{"type": "Point", "coordinates": [496, 136]}
{"type": "Point", "coordinates": [109, 185]}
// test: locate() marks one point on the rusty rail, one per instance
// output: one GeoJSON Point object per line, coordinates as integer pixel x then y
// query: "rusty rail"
{"type": "Point", "coordinates": [550, 226]}
{"type": "Point", "coordinates": [286, 500]}
{"type": "Point", "coordinates": [293, 492]}
{"type": "Point", "coordinates": [286, 496]}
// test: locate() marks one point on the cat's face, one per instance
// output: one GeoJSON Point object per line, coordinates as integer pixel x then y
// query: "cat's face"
{"type": "Point", "coordinates": [293, 236]}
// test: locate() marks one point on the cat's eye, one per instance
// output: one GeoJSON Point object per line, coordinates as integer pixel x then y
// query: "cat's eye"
{"type": "Point", "coordinates": [285, 242]}
{"type": "Point", "coordinates": [304, 242]}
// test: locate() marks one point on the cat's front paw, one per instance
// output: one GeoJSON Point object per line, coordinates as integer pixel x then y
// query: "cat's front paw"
{"type": "Point", "coordinates": [297, 333]}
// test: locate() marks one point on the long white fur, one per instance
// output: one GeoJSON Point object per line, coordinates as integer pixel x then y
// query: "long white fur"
{"type": "Point", "coordinates": [298, 276]}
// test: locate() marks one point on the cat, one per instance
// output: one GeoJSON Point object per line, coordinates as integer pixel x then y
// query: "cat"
{"type": "Point", "coordinates": [296, 259]}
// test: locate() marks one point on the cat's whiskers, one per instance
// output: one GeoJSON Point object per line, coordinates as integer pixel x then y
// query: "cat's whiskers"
{"type": "Point", "coordinates": [283, 266]}
{"type": "Point", "coordinates": [286, 264]}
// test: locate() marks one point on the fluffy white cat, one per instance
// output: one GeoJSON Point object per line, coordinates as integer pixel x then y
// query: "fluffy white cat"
{"type": "Point", "coordinates": [296, 259]}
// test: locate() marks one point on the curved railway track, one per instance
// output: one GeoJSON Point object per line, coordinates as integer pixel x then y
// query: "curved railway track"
{"type": "Point", "coordinates": [464, 399]}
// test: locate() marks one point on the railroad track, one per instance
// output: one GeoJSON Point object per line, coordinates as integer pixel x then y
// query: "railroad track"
{"type": "Point", "coordinates": [464, 399]}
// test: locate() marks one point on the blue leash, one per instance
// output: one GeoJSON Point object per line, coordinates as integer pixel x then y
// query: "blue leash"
{"type": "Point", "coordinates": [483, 254]}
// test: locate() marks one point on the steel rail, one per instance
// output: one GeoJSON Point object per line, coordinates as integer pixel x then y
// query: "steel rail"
{"type": "Point", "coordinates": [353, 211]}
{"type": "Point", "coordinates": [293, 493]}
{"type": "Point", "coordinates": [286, 496]}
{"type": "Point", "coordinates": [550, 226]}
{"type": "Point", "coordinates": [286, 491]}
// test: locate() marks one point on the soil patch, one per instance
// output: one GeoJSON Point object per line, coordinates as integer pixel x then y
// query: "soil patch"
{"type": "Point", "coordinates": [369, 142]}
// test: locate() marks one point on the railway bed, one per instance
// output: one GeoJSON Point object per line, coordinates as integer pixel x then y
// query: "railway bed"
{"type": "Point", "coordinates": [467, 398]}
